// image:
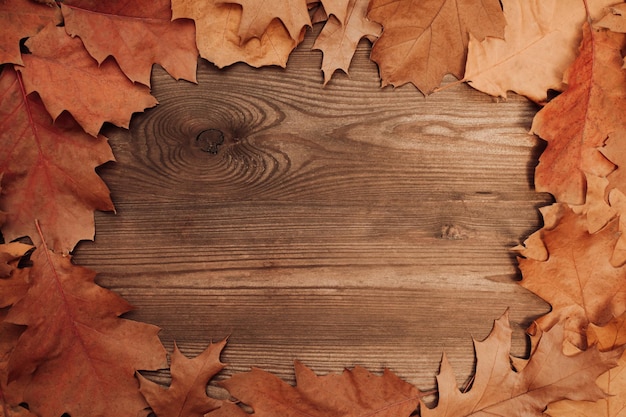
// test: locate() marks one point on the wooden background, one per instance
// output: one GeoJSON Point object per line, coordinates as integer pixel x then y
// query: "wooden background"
{"type": "Point", "coordinates": [340, 225]}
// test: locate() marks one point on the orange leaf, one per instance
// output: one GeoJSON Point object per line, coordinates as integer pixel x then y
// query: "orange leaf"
{"type": "Point", "coordinates": [258, 14]}
{"type": "Point", "coordinates": [186, 396]}
{"type": "Point", "coordinates": [68, 78]}
{"type": "Point", "coordinates": [355, 393]}
{"type": "Point", "coordinates": [540, 42]}
{"type": "Point", "coordinates": [577, 279]}
{"type": "Point", "coordinates": [615, 19]}
{"type": "Point", "coordinates": [217, 26]}
{"type": "Point", "coordinates": [136, 34]}
{"type": "Point", "coordinates": [48, 170]}
{"type": "Point", "coordinates": [577, 123]}
{"type": "Point", "coordinates": [421, 42]}
{"type": "Point", "coordinates": [338, 41]}
{"type": "Point", "coordinates": [76, 355]}
{"type": "Point", "coordinates": [499, 390]}
{"type": "Point", "coordinates": [20, 19]}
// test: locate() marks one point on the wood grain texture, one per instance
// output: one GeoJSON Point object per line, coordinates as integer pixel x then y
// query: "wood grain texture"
{"type": "Point", "coordinates": [337, 225]}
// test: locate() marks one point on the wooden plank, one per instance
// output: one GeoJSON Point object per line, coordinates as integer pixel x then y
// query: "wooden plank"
{"type": "Point", "coordinates": [338, 225]}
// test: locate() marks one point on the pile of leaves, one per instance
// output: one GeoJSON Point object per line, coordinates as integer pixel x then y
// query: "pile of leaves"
{"type": "Point", "coordinates": [67, 68]}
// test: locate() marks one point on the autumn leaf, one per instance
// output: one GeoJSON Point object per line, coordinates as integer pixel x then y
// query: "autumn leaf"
{"type": "Point", "coordinates": [540, 42]}
{"type": "Point", "coordinates": [500, 390]}
{"type": "Point", "coordinates": [186, 396]}
{"type": "Point", "coordinates": [76, 355]}
{"type": "Point", "coordinates": [217, 26]}
{"type": "Point", "coordinates": [14, 282]}
{"type": "Point", "coordinates": [10, 252]}
{"type": "Point", "coordinates": [340, 9]}
{"type": "Point", "coordinates": [68, 78]}
{"type": "Point", "coordinates": [615, 19]}
{"type": "Point", "coordinates": [421, 42]}
{"type": "Point", "coordinates": [136, 34]}
{"type": "Point", "coordinates": [258, 14]}
{"type": "Point", "coordinates": [577, 123]}
{"type": "Point", "coordinates": [354, 393]}
{"type": "Point", "coordinates": [21, 19]}
{"type": "Point", "coordinates": [48, 170]}
{"type": "Point", "coordinates": [577, 279]}
{"type": "Point", "coordinates": [338, 41]}
{"type": "Point", "coordinates": [613, 382]}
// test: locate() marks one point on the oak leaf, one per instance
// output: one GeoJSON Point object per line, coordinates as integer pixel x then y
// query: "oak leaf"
{"type": "Point", "coordinates": [68, 78]}
{"type": "Point", "coordinates": [540, 42]}
{"type": "Point", "coordinates": [217, 26]}
{"type": "Point", "coordinates": [577, 279]}
{"type": "Point", "coordinates": [14, 283]}
{"type": "Point", "coordinates": [49, 170]}
{"type": "Point", "coordinates": [136, 34]}
{"type": "Point", "coordinates": [10, 252]}
{"type": "Point", "coordinates": [21, 19]}
{"type": "Point", "coordinates": [499, 389]}
{"type": "Point", "coordinates": [186, 396]}
{"type": "Point", "coordinates": [421, 42]}
{"type": "Point", "coordinates": [338, 41]}
{"type": "Point", "coordinates": [77, 356]}
{"type": "Point", "coordinates": [613, 382]}
{"type": "Point", "coordinates": [258, 14]}
{"type": "Point", "coordinates": [337, 8]}
{"type": "Point", "coordinates": [353, 393]}
{"type": "Point", "coordinates": [576, 123]}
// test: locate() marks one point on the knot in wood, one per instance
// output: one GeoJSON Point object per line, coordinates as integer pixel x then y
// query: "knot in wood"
{"type": "Point", "coordinates": [210, 140]}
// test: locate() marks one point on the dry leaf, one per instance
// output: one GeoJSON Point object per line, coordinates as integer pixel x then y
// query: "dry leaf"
{"type": "Point", "coordinates": [338, 41]}
{"type": "Point", "coordinates": [21, 19]}
{"type": "Point", "coordinates": [422, 42]}
{"type": "Point", "coordinates": [540, 42]}
{"type": "Point", "coordinates": [76, 355]}
{"type": "Point", "coordinates": [186, 396]}
{"type": "Point", "coordinates": [10, 252]}
{"type": "Point", "coordinates": [49, 170]}
{"type": "Point", "coordinates": [355, 393]}
{"type": "Point", "coordinates": [615, 19]}
{"type": "Point", "coordinates": [217, 26]}
{"type": "Point", "coordinates": [68, 78]}
{"type": "Point", "coordinates": [336, 8]}
{"type": "Point", "coordinates": [258, 14]}
{"type": "Point", "coordinates": [577, 279]}
{"type": "Point", "coordinates": [613, 382]}
{"type": "Point", "coordinates": [577, 123]}
{"type": "Point", "coordinates": [137, 34]}
{"type": "Point", "coordinates": [499, 390]}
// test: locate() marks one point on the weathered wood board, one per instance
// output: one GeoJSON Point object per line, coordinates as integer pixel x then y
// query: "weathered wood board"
{"type": "Point", "coordinates": [337, 225]}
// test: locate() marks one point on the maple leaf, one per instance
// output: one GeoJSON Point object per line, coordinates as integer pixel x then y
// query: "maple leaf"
{"type": "Point", "coordinates": [82, 358]}
{"type": "Point", "coordinates": [217, 26]}
{"type": "Point", "coordinates": [68, 78]}
{"type": "Point", "coordinates": [136, 34]}
{"type": "Point", "coordinates": [186, 396]}
{"type": "Point", "coordinates": [20, 19]}
{"type": "Point", "coordinates": [421, 43]}
{"type": "Point", "coordinates": [576, 123]}
{"type": "Point", "coordinates": [338, 41]}
{"type": "Point", "coordinates": [350, 394]}
{"type": "Point", "coordinates": [540, 42]}
{"type": "Point", "coordinates": [48, 170]}
{"type": "Point", "coordinates": [577, 279]}
{"type": "Point", "coordinates": [613, 382]}
{"type": "Point", "coordinates": [499, 389]}
{"type": "Point", "coordinates": [258, 14]}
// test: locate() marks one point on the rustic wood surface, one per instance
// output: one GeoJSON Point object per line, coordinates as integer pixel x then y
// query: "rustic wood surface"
{"type": "Point", "coordinates": [340, 225]}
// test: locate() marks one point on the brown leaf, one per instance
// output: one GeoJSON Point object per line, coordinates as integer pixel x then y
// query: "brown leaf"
{"type": "Point", "coordinates": [355, 393]}
{"type": "Point", "coordinates": [217, 26]}
{"type": "Point", "coordinates": [578, 279]}
{"type": "Point", "coordinates": [338, 41]}
{"type": "Point", "coordinates": [14, 283]}
{"type": "Point", "coordinates": [48, 170]}
{"type": "Point", "coordinates": [540, 42]}
{"type": "Point", "coordinates": [615, 19]}
{"type": "Point", "coordinates": [337, 8]}
{"type": "Point", "coordinates": [68, 78]}
{"type": "Point", "coordinates": [576, 123]}
{"type": "Point", "coordinates": [258, 14]}
{"type": "Point", "coordinates": [11, 252]}
{"type": "Point", "coordinates": [499, 390]}
{"type": "Point", "coordinates": [421, 42]}
{"type": "Point", "coordinates": [186, 396]}
{"type": "Point", "coordinates": [76, 355]}
{"type": "Point", "coordinates": [137, 34]}
{"type": "Point", "coordinates": [21, 19]}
